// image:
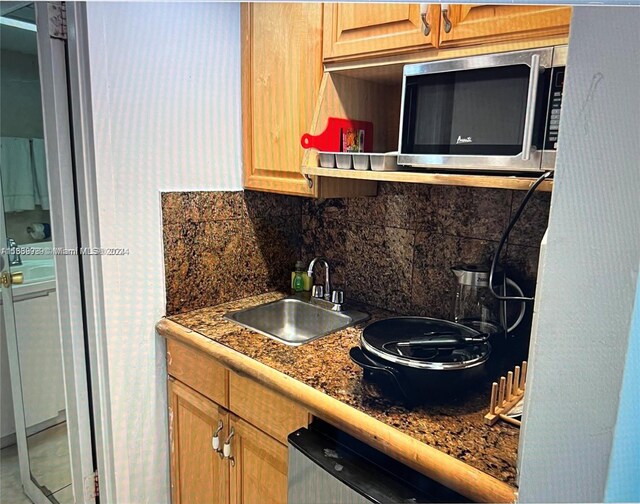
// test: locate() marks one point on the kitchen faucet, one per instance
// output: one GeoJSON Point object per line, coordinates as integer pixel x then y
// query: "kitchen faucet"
{"type": "Point", "coordinates": [327, 275]}
{"type": "Point", "coordinates": [14, 256]}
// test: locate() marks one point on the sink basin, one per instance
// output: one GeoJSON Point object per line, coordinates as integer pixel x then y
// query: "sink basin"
{"type": "Point", "coordinates": [293, 321]}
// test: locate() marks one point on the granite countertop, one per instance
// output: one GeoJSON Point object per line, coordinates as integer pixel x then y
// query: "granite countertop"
{"type": "Point", "coordinates": [455, 428]}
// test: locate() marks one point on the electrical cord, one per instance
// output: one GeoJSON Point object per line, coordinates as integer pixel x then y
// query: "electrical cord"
{"type": "Point", "coordinates": [505, 235]}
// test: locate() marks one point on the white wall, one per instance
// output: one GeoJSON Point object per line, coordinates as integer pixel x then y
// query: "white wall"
{"type": "Point", "coordinates": [165, 83]}
{"type": "Point", "coordinates": [589, 272]}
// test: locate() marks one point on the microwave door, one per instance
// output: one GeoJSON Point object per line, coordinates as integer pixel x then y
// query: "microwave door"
{"type": "Point", "coordinates": [478, 112]}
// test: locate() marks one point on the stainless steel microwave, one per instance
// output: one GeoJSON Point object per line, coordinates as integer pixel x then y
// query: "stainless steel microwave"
{"type": "Point", "coordinates": [496, 112]}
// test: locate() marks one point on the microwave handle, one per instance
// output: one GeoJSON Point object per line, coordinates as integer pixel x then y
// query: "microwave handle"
{"type": "Point", "coordinates": [529, 119]}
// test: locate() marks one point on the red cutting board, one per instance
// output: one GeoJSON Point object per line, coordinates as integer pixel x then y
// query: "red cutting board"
{"type": "Point", "coordinates": [330, 139]}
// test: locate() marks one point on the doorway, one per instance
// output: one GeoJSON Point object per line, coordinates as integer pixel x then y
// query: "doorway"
{"type": "Point", "coordinates": [46, 450]}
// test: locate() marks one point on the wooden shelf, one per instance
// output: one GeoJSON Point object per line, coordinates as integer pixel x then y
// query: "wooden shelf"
{"type": "Point", "coordinates": [455, 179]}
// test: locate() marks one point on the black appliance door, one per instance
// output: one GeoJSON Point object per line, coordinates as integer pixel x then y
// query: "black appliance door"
{"type": "Point", "coordinates": [470, 112]}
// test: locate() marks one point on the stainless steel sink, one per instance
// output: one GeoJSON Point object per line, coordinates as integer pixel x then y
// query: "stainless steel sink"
{"type": "Point", "coordinates": [293, 321]}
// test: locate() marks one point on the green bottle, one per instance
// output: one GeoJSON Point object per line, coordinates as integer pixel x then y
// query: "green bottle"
{"type": "Point", "coordinates": [297, 280]}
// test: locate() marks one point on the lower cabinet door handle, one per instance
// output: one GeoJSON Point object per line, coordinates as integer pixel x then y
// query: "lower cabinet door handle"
{"type": "Point", "coordinates": [226, 449]}
{"type": "Point", "coordinates": [215, 440]}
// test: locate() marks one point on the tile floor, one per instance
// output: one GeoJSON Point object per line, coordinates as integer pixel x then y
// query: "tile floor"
{"type": "Point", "coordinates": [10, 486]}
{"type": "Point", "coordinates": [49, 458]}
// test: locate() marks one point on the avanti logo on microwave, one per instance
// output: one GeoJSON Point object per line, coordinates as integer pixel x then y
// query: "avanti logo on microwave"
{"type": "Point", "coordinates": [461, 140]}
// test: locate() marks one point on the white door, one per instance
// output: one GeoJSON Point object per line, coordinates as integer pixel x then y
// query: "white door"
{"type": "Point", "coordinates": [42, 303]}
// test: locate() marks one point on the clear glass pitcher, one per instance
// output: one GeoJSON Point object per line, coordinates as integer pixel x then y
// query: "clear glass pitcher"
{"type": "Point", "coordinates": [476, 306]}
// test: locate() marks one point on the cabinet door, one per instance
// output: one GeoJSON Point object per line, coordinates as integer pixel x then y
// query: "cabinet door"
{"type": "Point", "coordinates": [369, 29]}
{"type": "Point", "coordinates": [281, 74]}
{"type": "Point", "coordinates": [463, 25]}
{"type": "Point", "coordinates": [198, 473]}
{"type": "Point", "coordinates": [259, 468]}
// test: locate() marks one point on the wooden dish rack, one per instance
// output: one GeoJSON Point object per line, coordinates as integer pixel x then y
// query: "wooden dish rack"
{"type": "Point", "coordinates": [506, 395]}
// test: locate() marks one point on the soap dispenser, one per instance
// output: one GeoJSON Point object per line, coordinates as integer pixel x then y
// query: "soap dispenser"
{"type": "Point", "coordinates": [297, 278]}
{"type": "Point", "coordinates": [300, 272]}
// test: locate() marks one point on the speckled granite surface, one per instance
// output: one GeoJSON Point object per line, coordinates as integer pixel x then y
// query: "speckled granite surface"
{"type": "Point", "coordinates": [456, 429]}
{"type": "Point", "coordinates": [396, 249]}
{"type": "Point", "coordinates": [393, 250]}
{"type": "Point", "coordinates": [220, 246]}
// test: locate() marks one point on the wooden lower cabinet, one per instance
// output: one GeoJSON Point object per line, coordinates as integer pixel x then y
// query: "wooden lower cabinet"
{"type": "Point", "coordinates": [259, 472]}
{"type": "Point", "coordinates": [198, 473]}
{"type": "Point", "coordinates": [198, 371]}
{"type": "Point", "coordinates": [272, 413]}
{"type": "Point", "coordinates": [256, 469]}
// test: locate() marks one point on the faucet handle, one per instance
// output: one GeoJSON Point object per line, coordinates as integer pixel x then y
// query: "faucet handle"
{"type": "Point", "coordinates": [337, 297]}
{"type": "Point", "coordinates": [317, 291]}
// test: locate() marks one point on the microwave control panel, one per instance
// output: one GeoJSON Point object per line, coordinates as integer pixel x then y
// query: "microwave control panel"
{"type": "Point", "coordinates": [555, 103]}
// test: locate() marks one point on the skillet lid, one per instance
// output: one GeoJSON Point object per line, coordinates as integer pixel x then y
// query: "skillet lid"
{"type": "Point", "coordinates": [425, 343]}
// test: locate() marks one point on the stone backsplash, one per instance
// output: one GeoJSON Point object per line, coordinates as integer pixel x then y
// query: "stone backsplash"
{"type": "Point", "coordinates": [393, 250]}
{"type": "Point", "coordinates": [222, 246]}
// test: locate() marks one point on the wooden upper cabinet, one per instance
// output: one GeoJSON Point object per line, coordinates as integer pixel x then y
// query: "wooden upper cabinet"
{"type": "Point", "coordinates": [370, 29]}
{"type": "Point", "coordinates": [198, 474]}
{"type": "Point", "coordinates": [281, 74]}
{"type": "Point", "coordinates": [483, 24]}
{"type": "Point", "coordinates": [259, 472]}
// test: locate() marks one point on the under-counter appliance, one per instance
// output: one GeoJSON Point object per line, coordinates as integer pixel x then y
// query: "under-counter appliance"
{"type": "Point", "coordinates": [327, 465]}
{"type": "Point", "coordinates": [494, 112]}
